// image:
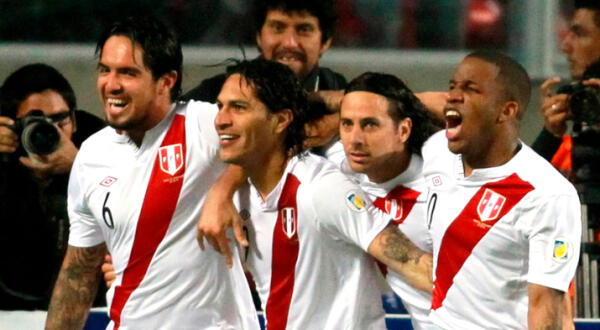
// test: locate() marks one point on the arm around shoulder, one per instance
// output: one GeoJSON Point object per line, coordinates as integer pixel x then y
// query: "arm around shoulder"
{"type": "Point", "coordinates": [396, 251]}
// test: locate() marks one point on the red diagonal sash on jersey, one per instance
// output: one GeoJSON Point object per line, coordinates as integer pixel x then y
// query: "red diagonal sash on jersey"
{"type": "Point", "coordinates": [397, 203]}
{"type": "Point", "coordinates": [285, 255]}
{"type": "Point", "coordinates": [156, 214]}
{"type": "Point", "coordinates": [492, 201]}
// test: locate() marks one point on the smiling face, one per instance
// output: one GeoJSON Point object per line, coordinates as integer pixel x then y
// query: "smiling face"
{"type": "Point", "coordinates": [293, 39]}
{"type": "Point", "coordinates": [133, 100]}
{"type": "Point", "coordinates": [473, 106]}
{"type": "Point", "coordinates": [582, 42]}
{"type": "Point", "coordinates": [374, 144]}
{"type": "Point", "coordinates": [247, 130]}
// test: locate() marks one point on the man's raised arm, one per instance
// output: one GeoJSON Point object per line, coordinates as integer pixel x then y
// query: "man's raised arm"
{"type": "Point", "coordinates": [219, 213]}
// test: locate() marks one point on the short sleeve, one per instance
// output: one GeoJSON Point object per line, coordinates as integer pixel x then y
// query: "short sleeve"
{"type": "Point", "coordinates": [554, 241]}
{"type": "Point", "coordinates": [84, 230]}
{"type": "Point", "coordinates": [204, 115]}
{"type": "Point", "coordinates": [345, 211]}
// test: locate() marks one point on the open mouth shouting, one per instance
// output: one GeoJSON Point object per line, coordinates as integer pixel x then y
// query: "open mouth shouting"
{"type": "Point", "coordinates": [453, 121]}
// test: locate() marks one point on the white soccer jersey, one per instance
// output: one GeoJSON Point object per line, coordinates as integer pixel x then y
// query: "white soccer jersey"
{"type": "Point", "coordinates": [144, 204]}
{"type": "Point", "coordinates": [493, 233]}
{"type": "Point", "coordinates": [404, 199]}
{"type": "Point", "coordinates": [307, 249]}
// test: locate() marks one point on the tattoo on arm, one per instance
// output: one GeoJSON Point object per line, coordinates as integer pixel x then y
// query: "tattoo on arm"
{"type": "Point", "coordinates": [400, 254]}
{"type": "Point", "coordinates": [75, 287]}
{"type": "Point", "coordinates": [398, 247]}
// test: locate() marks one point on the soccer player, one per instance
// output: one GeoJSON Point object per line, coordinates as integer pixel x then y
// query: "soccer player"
{"type": "Point", "coordinates": [383, 127]}
{"type": "Point", "coordinates": [505, 224]}
{"type": "Point", "coordinates": [136, 189]}
{"type": "Point", "coordinates": [309, 226]}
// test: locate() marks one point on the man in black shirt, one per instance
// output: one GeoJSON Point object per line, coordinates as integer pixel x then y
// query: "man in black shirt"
{"type": "Point", "coordinates": [294, 33]}
{"type": "Point", "coordinates": [33, 188]}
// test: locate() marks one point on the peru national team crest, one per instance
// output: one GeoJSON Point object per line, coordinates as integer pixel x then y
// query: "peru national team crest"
{"type": "Point", "coordinates": [171, 158]}
{"type": "Point", "coordinates": [288, 217]}
{"type": "Point", "coordinates": [394, 209]}
{"type": "Point", "coordinates": [490, 205]}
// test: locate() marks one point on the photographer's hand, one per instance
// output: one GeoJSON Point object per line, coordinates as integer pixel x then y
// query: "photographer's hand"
{"type": "Point", "coordinates": [58, 162]}
{"type": "Point", "coordinates": [554, 108]}
{"type": "Point", "coordinates": [592, 82]}
{"type": "Point", "coordinates": [8, 139]}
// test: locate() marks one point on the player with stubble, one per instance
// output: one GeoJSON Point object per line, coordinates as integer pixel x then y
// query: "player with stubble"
{"type": "Point", "coordinates": [136, 189]}
{"type": "Point", "coordinates": [311, 230]}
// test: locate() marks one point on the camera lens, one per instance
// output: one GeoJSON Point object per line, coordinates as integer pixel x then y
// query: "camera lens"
{"type": "Point", "coordinates": [40, 137]}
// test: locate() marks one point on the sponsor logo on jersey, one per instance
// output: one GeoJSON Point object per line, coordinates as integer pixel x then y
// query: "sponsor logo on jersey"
{"type": "Point", "coordinates": [437, 180]}
{"type": "Point", "coordinates": [561, 251]}
{"type": "Point", "coordinates": [394, 209]}
{"type": "Point", "coordinates": [288, 218]}
{"type": "Point", "coordinates": [355, 201]}
{"type": "Point", "coordinates": [108, 181]}
{"type": "Point", "coordinates": [171, 158]}
{"type": "Point", "coordinates": [490, 205]}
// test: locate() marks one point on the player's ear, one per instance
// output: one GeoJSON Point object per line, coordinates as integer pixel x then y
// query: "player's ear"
{"type": "Point", "coordinates": [404, 128]}
{"type": "Point", "coordinates": [509, 111]}
{"type": "Point", "coordinates": [283, 119]}
{"type": "Point", "coordinates": [167, 81]}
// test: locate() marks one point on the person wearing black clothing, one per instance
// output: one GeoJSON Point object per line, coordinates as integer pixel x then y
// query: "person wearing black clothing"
{"type": "Point", "coordinates": [294, 33]}
{"type": "Point", "coordinates": [33, 188]}
{"type": "Point", "coordinates": [581, 46]}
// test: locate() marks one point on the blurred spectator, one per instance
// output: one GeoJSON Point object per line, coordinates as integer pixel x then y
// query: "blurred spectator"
{"type": "Point", "coordinates": [33, 188]}
{"type": "Point", "coordinates": [363, 23]}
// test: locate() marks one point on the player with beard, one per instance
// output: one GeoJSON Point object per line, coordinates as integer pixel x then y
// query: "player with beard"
{"type": "Point", "coordinates": [136, 189]}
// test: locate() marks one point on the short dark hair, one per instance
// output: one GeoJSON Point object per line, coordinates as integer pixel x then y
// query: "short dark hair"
{"type": "Point", "coordinates": [402, 104]}
{"type": "Point", "coordinates": [277, 87]}
{"type": "Point", "coordinates": [512, 76]}
{"type": "Point", "coordinates": [593, 5]}
{"type": "Point", "coordinates": [162, 49]}
{"type": "Point", "coordinates": [31, 79]}
{"type": "Point", "coordinates": [323, 10]}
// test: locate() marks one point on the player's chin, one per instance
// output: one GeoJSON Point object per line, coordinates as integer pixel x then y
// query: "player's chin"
{"type": "Point", "coordinates": [228, 158]}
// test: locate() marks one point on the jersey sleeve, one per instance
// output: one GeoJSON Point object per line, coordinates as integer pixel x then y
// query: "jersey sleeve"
{"type": "Point", "coordinates": [204, 118]}
{"type": "Point", "coordinates": [345, 211]}
{"type": "Point", "coordinates": [554, 241]}
{"type": "Point", "coordinates": [84, 230]}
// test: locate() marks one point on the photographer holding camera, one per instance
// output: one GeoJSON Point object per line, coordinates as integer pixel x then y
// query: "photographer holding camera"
{"type": "Point", "coordinates": [581, 45]}
{"type": "Point", "coordinates": [40, 133]}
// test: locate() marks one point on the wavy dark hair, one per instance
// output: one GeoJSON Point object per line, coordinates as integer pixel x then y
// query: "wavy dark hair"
{"type": "Point", "coordinates": [402, 104]}
{"type": "Point", "coordinates": [277, 87]}
{"type": "Point", "coordinates": [323, 10]}
{"type": "Point", "coordinates": [162, 49]}
{"type": "Point", "coordinates": [31, 79]}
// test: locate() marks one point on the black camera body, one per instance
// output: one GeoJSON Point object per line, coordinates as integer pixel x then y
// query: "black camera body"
{"type": "Point", "coordinates": [37, 133]}
{"type": "Point", "coordinates": [584, 102]}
